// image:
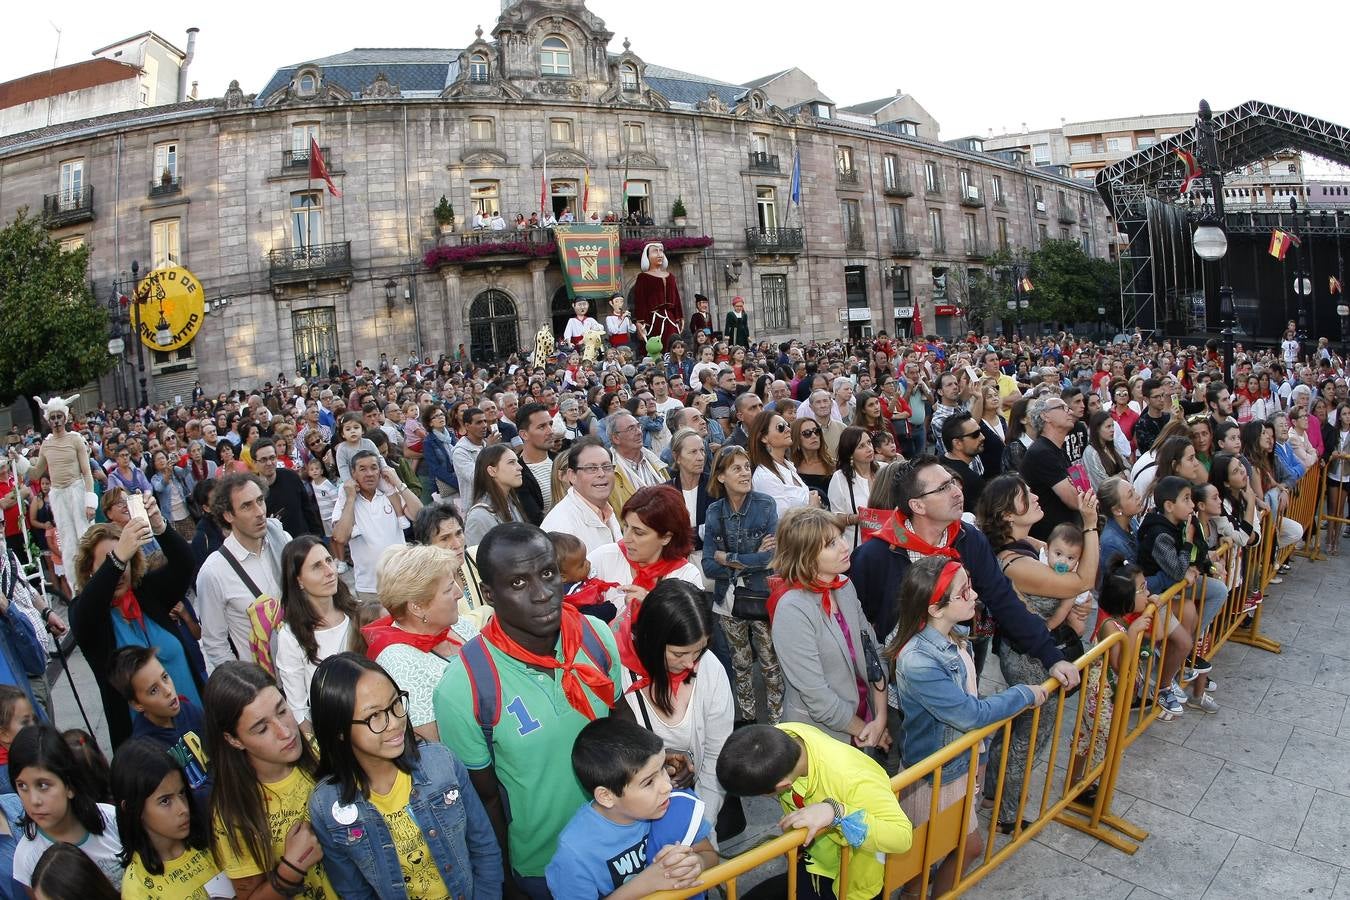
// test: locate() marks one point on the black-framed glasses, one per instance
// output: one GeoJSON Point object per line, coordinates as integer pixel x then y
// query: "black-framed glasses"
{"type": "Point", "coordinates": [782, 427]}
{"type": "Point", "coordinates": [945, 486]}
{"type": "Point", "coordinates": [810, 432]}
{"type": "Point", "coordinates": [970, 434]}
{"type": "Point", "coordinates": [378, 721]}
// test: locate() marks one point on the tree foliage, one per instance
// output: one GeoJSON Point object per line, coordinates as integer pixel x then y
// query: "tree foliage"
{"type": "Point", "coordinates": [55, 337]}
{"type": "Point", "coordinates": [1068, 285]}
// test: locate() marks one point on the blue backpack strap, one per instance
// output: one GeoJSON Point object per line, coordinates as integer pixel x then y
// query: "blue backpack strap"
{"type": "Point", "coordinates": [487, 689]}
{"type": "Point", "coordinates": [595, 648]}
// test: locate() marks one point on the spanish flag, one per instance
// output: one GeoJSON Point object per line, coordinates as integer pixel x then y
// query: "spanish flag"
{"type": "Point", "coordinates": [586, 192]}
{"type": "Point", "coordinates": [1280, 242]}
{"type": "Point", "coordinates": [1193, 170]}
{"type": "Point", "coordinates": [1026, 285]}
{"type": "Point", "coordinates": [1335, 284]}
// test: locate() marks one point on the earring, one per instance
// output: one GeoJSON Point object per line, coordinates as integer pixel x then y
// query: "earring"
{"type": "Point", "coordinates": [424, 618]}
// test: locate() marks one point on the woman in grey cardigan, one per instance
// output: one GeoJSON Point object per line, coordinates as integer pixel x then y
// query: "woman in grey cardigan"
{"type": "Point", "coordinates": [820, 635]}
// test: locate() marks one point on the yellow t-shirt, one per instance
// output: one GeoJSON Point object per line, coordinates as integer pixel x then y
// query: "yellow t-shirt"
{"type": "Point", "coordinates": [421, 877]}
{"type": "Point", "coordinates": [287, 800]}
{"type": "Point", "coordinates": [192, 876]}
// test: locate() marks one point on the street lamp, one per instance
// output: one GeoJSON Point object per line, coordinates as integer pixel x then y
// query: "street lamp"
{"type": "Point", "coordinates": [1344, 312]}
{"type": "Point", "coordinates": [1101, 323]}
{"type": "Point", "coordinates": [136, 329]}
{"type": "Point", "coordinates": [390, 287]}
{"type": "Point", "coordinates": [1302, 286]}
{"type": "Point", "coordinates": [1210, 240]}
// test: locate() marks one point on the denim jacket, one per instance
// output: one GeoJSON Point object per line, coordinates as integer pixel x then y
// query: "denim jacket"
{"type": "Point", "coordinates": [931, 681]}
{"type": "Point", "coordinates": [359, 856]}
{"type": "Point", "coordinates": [739, 535]}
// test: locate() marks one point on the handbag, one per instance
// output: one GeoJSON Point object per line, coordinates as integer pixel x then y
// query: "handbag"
{"type": "Point", "coordinates": [749, 603]}
{"type": "Point", "coordinates": [876, 672]}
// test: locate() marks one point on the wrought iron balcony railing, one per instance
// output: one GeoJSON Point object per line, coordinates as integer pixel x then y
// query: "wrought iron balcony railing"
{"type": "Point", "coordinates": [68, 207]}
{"type": "Point", "coordinates": [763, 162]}
{"type": "Point", "coordinates": [311, 262]}
{"type": "Point", "coordinates": [775, 240]}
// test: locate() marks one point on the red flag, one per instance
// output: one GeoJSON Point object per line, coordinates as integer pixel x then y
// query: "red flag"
{"type": "Point", "coordinates": [318, 169]}
{"type": "Point", "coordinates": [1193, 170]}
{"type": "Point", "coordinates": [1335, 284]}
{"type": "Point", "coordinates": [586, 193]}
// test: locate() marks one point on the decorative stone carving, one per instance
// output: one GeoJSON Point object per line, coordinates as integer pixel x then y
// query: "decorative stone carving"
{"type": "Point", "coordinates": [638, 159]}
{"type": "Point", "coordinates": [712, 104]}
{"type": "Point", "coordinates": [381, 89]}
{"type": "Point", "coordinates": [566, 158]}
{"type": "Point", "coordinates": [555, 87]}
{"type": "Point", "coordinates": [484, 157]}
{"type": "Point", "coordinates": [234, 96]}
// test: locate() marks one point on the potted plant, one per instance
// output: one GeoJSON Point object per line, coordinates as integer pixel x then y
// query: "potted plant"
{"type": "Point", "coordinates": [678, 214]}
{"type": "Point", "coordinates": [165, 178]}
{"type": "Point", "coordinates": [445, 215]}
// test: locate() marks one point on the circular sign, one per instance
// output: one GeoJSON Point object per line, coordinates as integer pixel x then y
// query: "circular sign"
{"type": "Point", "coordinates": [173, 296]}
{"type": "Point", "coordinates": [116, 346]}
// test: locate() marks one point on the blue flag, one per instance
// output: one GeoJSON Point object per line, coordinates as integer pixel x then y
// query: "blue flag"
{"type": "Point", "coordinates": [795, 191]}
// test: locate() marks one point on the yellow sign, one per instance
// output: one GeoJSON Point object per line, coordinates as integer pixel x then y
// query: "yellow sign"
{"type": "Point", "coordinates": [170, 300]}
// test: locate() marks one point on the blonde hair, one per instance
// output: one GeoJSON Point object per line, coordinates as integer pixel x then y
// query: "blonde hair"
{"type": "Point", "coordinates": [556, 483]}
{"type": "Point", "coordinates": [97, 534]}
{"type": "Point", "coordinates": [411, 572]}
{"type": "Point", "coordinates": [802, 533]}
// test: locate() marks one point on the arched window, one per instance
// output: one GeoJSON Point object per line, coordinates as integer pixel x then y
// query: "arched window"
{"type": "Point", "coordinates": [628, 77]}
{"type": "Point", "coordinates": [493, 326]}
{"type": "Point", "coordinates": [478, 69]}
{"type": "Point", "coordinates": [554, 57]}
{"type": "Point", "coordinates": [308, 84]}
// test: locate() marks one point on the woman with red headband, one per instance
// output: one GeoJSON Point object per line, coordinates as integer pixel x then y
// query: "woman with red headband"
{"type": "Point", "coordinates": [938, 694]}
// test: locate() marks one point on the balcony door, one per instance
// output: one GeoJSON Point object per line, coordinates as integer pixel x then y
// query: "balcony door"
{"type": "Point", "coordinates": [72, 183]}
{"type": "Point", "coordinates": [315, 337]}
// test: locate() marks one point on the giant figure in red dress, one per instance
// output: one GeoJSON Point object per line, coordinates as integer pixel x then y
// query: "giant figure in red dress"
{"type": "Point", "coordinates": [656, 297]}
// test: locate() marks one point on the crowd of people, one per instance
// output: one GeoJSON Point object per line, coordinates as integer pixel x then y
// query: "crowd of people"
{"type": "Point", "coordinates": [533, 627]}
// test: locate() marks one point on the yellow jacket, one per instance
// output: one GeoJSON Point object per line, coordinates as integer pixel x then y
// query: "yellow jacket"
{"type": "Point", "coordinates": [846, 774]}
{"type": "Point", "coordinates": [624, 486]}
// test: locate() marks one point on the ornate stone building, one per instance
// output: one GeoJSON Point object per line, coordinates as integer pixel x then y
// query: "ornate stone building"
{"type": "Point", "coordinates": [538, 113]}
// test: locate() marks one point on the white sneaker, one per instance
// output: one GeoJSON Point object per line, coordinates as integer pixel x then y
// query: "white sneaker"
{"type": "Point", "coordinates": [1204, 703]}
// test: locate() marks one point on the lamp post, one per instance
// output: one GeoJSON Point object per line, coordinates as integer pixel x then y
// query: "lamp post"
{"type": "Point", "coordinates": [1210, 240]}
{"type": "Point", "coordinates": [1302, 285]}
{"type": "Point", "coordinates": [1101, 324]}
{"type": "Point", "coordinates": [136, 330]}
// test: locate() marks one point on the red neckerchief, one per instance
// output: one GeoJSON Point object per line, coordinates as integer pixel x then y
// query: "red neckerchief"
{"type": "Point", "coordinates": [647, 575]}
{"type": "Point", "coordinates": [589, 592]}
{"type": "Point", "coordinates": [130, 608]}
{"type": "Point", "coordinates": [897, 535]}
{"type": "Point", "coordinates": [576, 671]}
{"type": "Point", "coordinates": [779, 586]}
{"type": "Point", "coordinates": [641, 679]}
{"type": "Point", "coordinates": [383, 633]}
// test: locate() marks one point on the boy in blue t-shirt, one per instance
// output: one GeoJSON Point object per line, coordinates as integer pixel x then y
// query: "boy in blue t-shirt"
{"type": "Point", "coordinates": [637, 836]}
{"type": "Point", "coordinates": [161, 713]}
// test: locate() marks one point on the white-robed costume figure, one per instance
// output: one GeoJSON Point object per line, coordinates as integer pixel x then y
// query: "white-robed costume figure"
{"type": "Point", "coordinates": [656, 297]}
{"type": "Point", "coordinates": [64, 458]}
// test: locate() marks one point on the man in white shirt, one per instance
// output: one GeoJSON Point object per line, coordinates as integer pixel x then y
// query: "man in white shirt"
{"type": "Point", "coordinates": [584, 510]}
{"type": "Point", "coordinates": [465, 454]}
{"type": "Point", "coordinates": [239, 504]}
{"type": "Point", "coordinates": [370, 517]}
{"type": "Point", "coordinates": [660, 386]}
{"type": "Point", "coordinates": [393, 424]}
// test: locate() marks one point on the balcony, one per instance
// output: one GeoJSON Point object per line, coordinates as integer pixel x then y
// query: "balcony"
{"type": "Point", "coordinates": [975, 248]}
{"type": "Point", "coordinates": [932, 188]}
{"type": "Point", "coordinates": [899, 187]}
{"type": "Point", "coordinates": [650, 232]}
{"type": "Point", "coordinates": [1000, 201]}
{"type": "Point", "coordinates": [848, 176]}
{"type": "Point", "coordinates": [904, 245]}
{"type": "Point", "coordinates": [1039, 208]}
{"type": "Point", "coordinates": [68, 207]}
{"type": "Point", "coordinates": [298, 160]}
{"type": "Point", "coordinates": [853, 238]}
{"type": "Point", "coordinates": [970, 196]}
{"type": "Point", "coordinates": [1067, 214]}
{"type": "Point", "coordinates": [165, 188]}
{"type": "Point", "coordinates": [764, 162]}
{"type": "Point", "coordinates": [317, 262]}
{"type": "Point", "coordinates": [775, 240]}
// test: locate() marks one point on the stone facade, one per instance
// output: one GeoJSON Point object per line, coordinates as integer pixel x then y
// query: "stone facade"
{"type": "Point", "coordinates": [393, 151]}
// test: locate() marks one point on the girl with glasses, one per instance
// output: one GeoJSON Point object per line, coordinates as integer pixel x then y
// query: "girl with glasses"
{"type": "Point", "coordinates": [395, 817]}
{"type": "Point", "coordinates": [768, 442]}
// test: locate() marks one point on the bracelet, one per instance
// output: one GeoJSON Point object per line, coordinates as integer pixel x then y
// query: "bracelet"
{"type": "Point", "coordinates": [293, 867]}
{"type": "Point", "coordinates": [838, 809]}
{"type": "Point", "coordinates": [282, 886]}
{"type": "Point", "coordinates": [118, 564]}
{"type": "Point", "coordinates": [1092, 530]}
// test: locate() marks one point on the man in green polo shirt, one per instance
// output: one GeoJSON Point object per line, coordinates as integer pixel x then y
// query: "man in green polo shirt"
{"type": "Point", "coordinates": [549, 686]}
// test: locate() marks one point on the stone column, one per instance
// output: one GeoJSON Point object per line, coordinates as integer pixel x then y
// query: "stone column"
{"type": "Point", "coordinates": [454, 309]}
{"type": "Point", "coordinates": [539, 306]}
{"type": "Point", "coordinates": [688, 277]}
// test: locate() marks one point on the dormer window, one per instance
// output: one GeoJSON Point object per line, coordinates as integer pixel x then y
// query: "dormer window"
{"type": "Point", "coordinates": [822, 110]}
{"type": "Point", "coordinates": [555, 58]}
{"type": "Point", "coordinates": [307, 84]}
{"type": "Point", "coordinates": [628, 77]}
{"type": "Point", "coordinates": [756, 102]}
{"type": "Point", "coordinates": [478, 69]}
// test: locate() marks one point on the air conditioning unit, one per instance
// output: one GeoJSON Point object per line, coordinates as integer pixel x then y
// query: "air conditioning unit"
{"type": "Point", "coordinates": [1040, 206]}
{"type": "Point", "coordinates": [972, 192]}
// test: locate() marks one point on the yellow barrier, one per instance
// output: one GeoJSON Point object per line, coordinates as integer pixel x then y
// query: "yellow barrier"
{"type": "Point", "coordinates": [1140, 676]}
{"type": "Point", "coordinates": [944, 831]}
{"type": "Point", "coordinates": [1333, 519]}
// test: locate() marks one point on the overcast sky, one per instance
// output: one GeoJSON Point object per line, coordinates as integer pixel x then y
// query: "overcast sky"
{"type": "Point", "coordinates": [974, 66]}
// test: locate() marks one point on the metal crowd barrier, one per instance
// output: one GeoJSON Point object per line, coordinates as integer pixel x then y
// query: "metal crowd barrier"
{"type": "Point", "coordinates": [1132, 710]}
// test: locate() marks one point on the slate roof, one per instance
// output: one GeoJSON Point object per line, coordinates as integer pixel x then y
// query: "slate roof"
{"type": "Point", "coordinates": [871, 107]}
{"type": "Point", "coordinates": [168, 110]}
{"type": "Point", "coordinates": [760, 82]}
{"type": "Point", "coordinates": [413, 70]}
